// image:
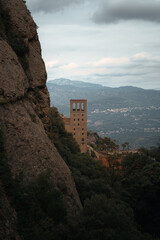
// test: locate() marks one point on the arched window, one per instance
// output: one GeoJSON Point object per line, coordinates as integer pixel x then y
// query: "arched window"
{"type": "Point", "coordinates": [78, 106]}
{"type": "Point", "coordinates": [82, 106]}
{"type": "Point", "coordinates": [74, 107]}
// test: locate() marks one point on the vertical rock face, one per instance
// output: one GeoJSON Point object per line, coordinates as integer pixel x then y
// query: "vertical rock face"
{"type": "Point", "coordinates": [13, 81]}
{"type": "Point", "coordinates": [8, 220]}
{"type": "Point", "coordinates": [24, 104]}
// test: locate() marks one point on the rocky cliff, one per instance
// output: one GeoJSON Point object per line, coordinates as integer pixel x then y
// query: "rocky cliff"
{"type": "Point", "coordinates": [24, 101]}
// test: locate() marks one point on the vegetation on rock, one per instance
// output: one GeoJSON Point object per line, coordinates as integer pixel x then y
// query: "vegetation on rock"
{"type": "Point", "coordinates": [106, 144]}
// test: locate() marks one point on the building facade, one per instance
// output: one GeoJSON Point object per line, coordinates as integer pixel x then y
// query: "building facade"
{"type": "Point", "coordinates": [77, 123]}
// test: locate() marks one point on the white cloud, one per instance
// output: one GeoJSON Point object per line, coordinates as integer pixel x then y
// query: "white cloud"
{"type": "Point", "coordinates": [145, 57]}
{"type": "Point", "coordinates": [141, 56]}
{"type": "Point", "coordinates": [69, 66]}
{"type": "Point", "coordinates": [89, 71]}
{"type": "Point", "coordinates": [52, 63]}
{"type": "Point", "coordinates": [109, 61]}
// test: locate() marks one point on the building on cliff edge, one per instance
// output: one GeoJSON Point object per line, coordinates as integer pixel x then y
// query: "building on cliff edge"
{"type": "Point", "coordinates": [77, 123]}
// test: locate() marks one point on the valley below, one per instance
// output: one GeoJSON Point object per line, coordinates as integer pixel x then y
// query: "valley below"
{"type": "Point", "coordinates": [139, 126]}
{"type": "Point", "coordinates": [126, 114]}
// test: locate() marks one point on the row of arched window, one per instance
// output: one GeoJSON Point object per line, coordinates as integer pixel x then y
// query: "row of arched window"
{"type": "Point", "coordinates": [78, 106]}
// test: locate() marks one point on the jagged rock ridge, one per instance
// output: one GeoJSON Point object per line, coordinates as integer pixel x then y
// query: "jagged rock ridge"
{"type": "Point", "coordinates": [24, 104]}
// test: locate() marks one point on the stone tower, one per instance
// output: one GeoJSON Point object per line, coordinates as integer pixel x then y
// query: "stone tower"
{"type": "Point", "coordinates": [78, 122]}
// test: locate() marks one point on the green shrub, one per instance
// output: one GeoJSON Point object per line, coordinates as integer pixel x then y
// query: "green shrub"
{"type": "Point", "coordinates": [43, 206]}
{"type": "Point", "coordinates": [106, 144]}
{"type": "Point", "coordinates": [105, 219]}
{"type": "Point", "coordinates": [37, 94]}
{"type": "Point", "coordinates": [93, 154]}
{"type": "Point", "coordinates": [140, 184]}
{"type": "Point", "coordinates": [64, 141]}
{"type": "Point", "coordinates": [33, 117]}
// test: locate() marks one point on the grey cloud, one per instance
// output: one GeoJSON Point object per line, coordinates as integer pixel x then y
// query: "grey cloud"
{"type": "Point", "coordinates": [48, 6]}
{"type": "Point", "coordinates": [127, 10]}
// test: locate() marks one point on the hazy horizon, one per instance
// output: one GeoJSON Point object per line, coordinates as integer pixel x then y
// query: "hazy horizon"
{"type": "Point", "coordinates": [74, 80]}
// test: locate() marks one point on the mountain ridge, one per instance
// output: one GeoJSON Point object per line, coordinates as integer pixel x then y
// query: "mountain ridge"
{"type": "Point", "coordinates": [78, 83]}
{"type": "Point", "coordinates": [65, 81]}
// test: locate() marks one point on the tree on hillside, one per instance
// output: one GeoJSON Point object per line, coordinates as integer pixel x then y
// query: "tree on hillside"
{"type": "Point", "coordinates": [125, 146]}
{"type": "Point", "coordinates": [141, 189]}
{"type": "Point", "coordinates": [105, 219]}
{"type": "Point", "coordinates": [106, 144]}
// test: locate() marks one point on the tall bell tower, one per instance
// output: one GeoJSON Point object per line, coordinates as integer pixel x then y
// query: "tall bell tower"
{"type": "Point", "coordinates": [78, 122]}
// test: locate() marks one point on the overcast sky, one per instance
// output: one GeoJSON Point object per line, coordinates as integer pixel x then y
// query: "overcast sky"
{"type": "Point", "coordinates": [111, 42]}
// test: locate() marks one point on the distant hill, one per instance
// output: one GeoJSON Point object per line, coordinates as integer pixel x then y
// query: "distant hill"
{"type": "Point", "coordinates": [67, 82]}
{"type": "Point", "coordinates": [126, 113]}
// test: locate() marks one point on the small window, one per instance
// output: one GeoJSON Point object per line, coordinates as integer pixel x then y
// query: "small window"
{"type": "Point", "coordinates": [78, 107]}
{"type": "Point", "coordinates": [74, 107]}
{"type": "Point", "coordinates": [78, 119]}
{"type": "Point", "coordinates": [74, 134]}
{"type": "Point", "coordinates": [74, 129]}
{"type": "Point", "coordinates": [82, 133]}
{"type": "Point", "coordinates": [82, 106]}
{"type": "Point", "coordinates": [82, 140]}
{"type": "Point", "coordinates": [74, 119]}
{"type": "Point", "coordinates": [82, 129]}
{"type": "Point", "coordinates": [82, 119]}
{"type": "Point", "coordinates": [78, 124]}
{"type": "Point", "coordinates": [82, 114]}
